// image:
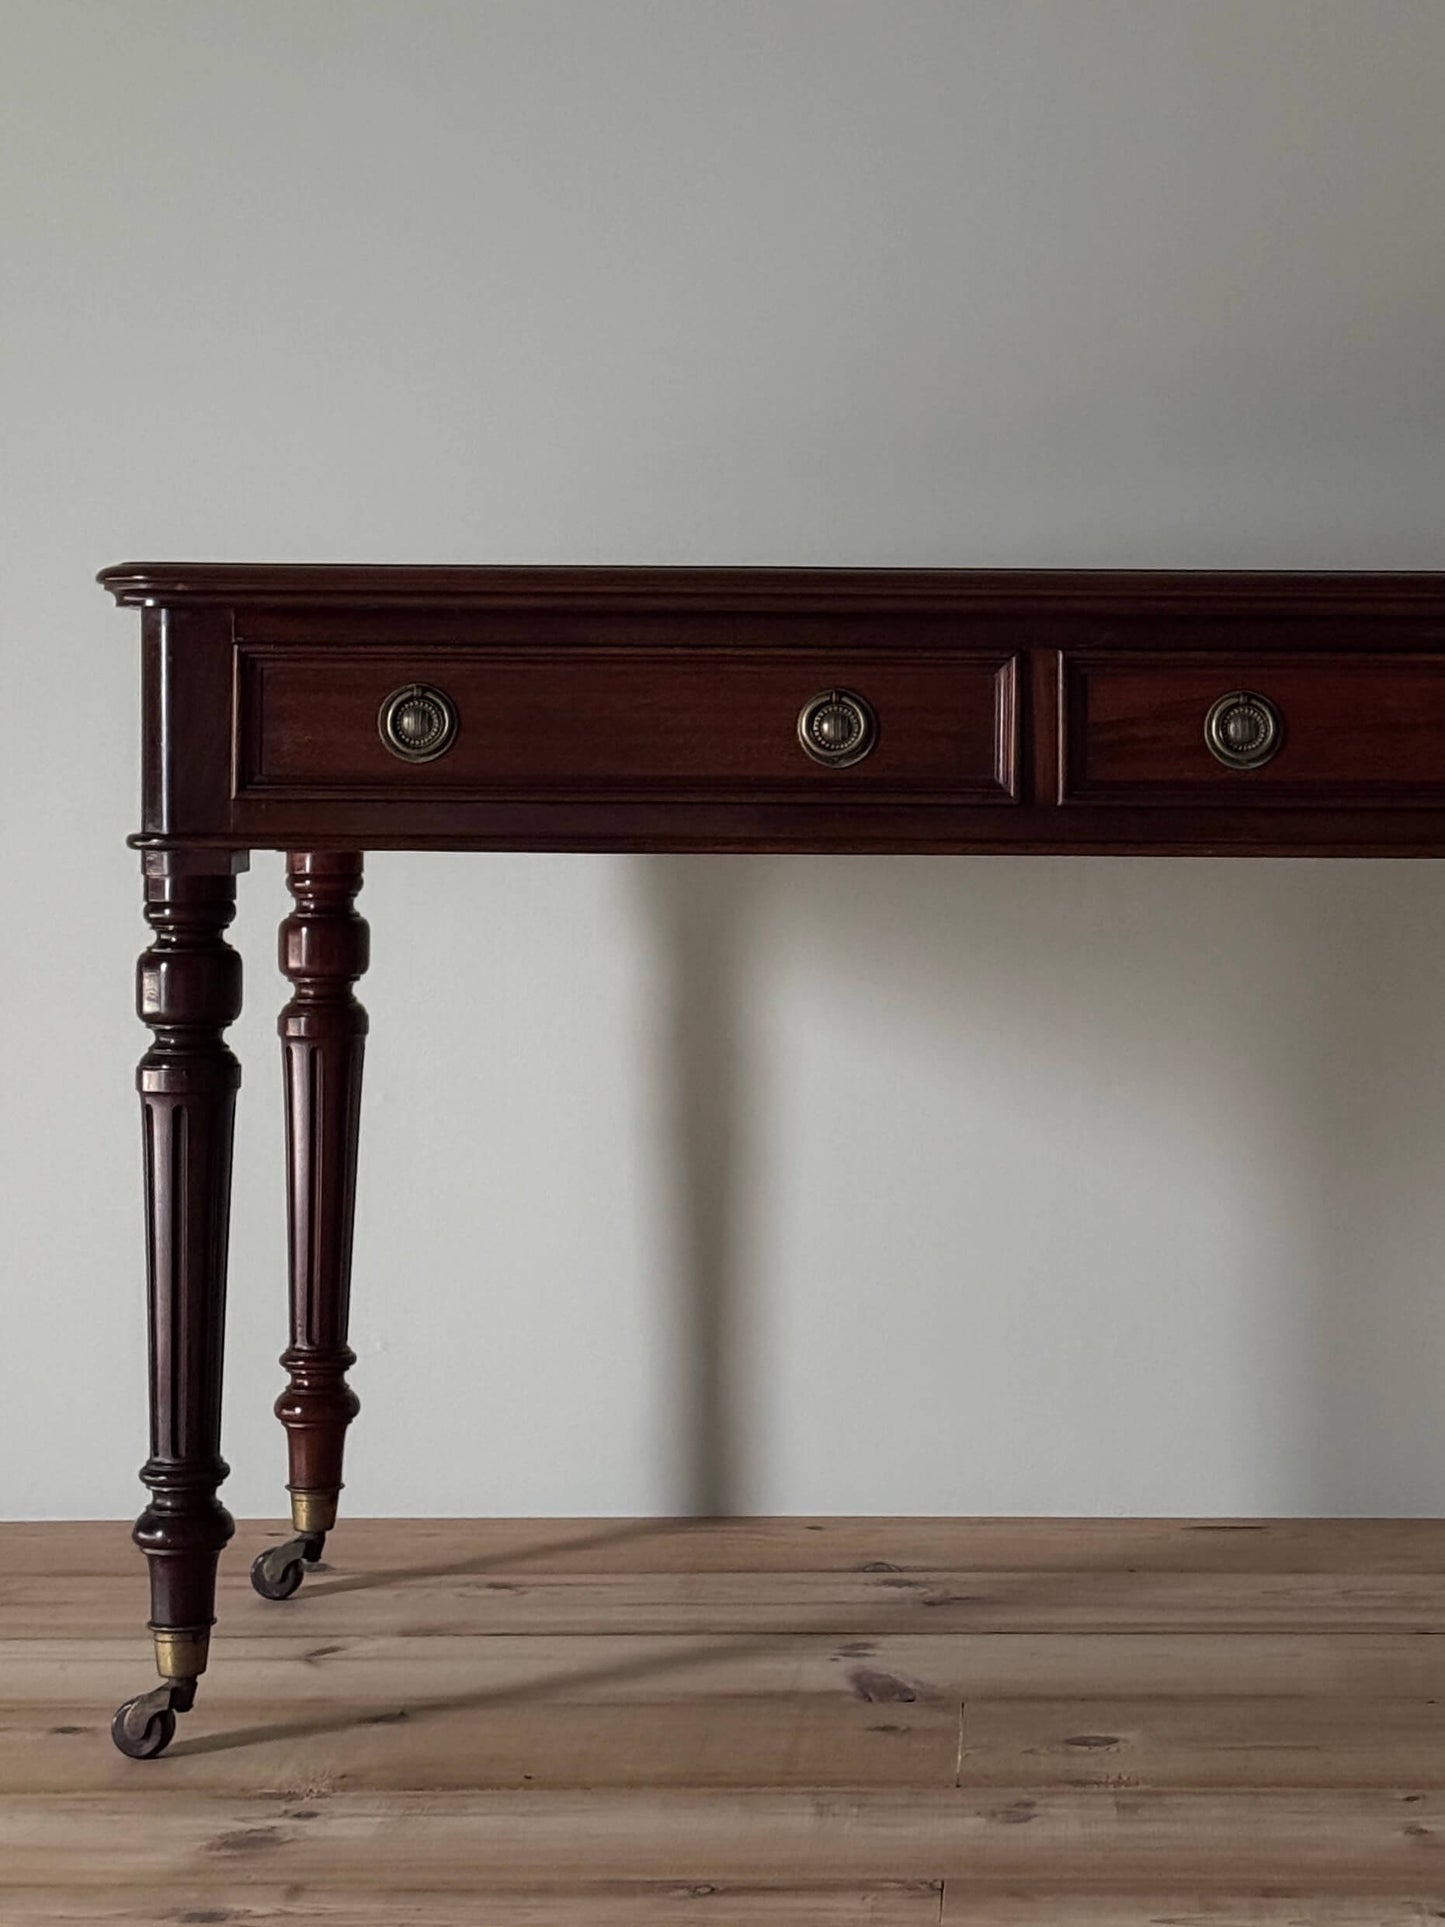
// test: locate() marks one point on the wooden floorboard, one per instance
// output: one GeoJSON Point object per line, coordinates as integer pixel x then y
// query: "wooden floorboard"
{"type": "Point", "coordinates": [615, 1904]}
{"type": "Point", "coordinates": [412, 1548]}
{"type": "Point", "coordinates": [964, 1907]}
{"type": "Point", "coordinates": [275, 1673]}
{"type": "Point", "coordinates": [1122, 1723]}
{"type": "Point", "coordinates": [707, 1904]}
{"type": "Point", "coordinates": [842, 1604]}
{"type": "Point", "coordinates": [1203, 1743]}
{"type": "Point", "coordinates": [1054, 1836]}
{"type": "Point", "coordinates": [787, 1740]}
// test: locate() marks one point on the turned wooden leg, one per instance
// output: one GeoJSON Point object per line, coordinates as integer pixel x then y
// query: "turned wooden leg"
{"type": "Point", "coordinates": [323, 1036]}
{"type": "Point", "coordinates": [188, 991]}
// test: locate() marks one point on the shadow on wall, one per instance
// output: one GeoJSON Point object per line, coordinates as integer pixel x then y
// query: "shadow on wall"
{"type": "Point", "coordinates": [1197, 1078]}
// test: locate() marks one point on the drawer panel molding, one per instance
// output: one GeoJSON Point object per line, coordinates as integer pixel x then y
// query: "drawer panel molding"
{"type": "Point", "coordinates": [1253, 730]}
{"type": "Point", "coordinates": [653, 724]}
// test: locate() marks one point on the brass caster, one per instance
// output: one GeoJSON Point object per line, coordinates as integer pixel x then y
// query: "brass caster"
{"type": "Point", "coordinates": [145, 1726]}
{"type": "Point", "coordinates": [278, 1571]}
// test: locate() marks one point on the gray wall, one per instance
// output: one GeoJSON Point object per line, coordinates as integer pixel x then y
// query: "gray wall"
{"type": "Point", "coordinates": [834, 1185]}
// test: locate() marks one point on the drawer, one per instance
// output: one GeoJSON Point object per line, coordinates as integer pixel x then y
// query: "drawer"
{"type": "Point", "coordinates": [559, 722]}
{"type": "Point", "coordinates": [1348, 728]}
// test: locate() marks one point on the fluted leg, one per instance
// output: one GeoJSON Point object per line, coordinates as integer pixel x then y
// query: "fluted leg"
{"type": "Point", "coordinates": [188, 991]}
{"type": "Point", "coordinates": [323, 1036]}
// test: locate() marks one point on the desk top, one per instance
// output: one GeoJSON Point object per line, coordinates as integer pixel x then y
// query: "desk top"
{"type": "Point", "coordinates": [333, 584]}
{"type": "Point", "coordinates": [338, 706]}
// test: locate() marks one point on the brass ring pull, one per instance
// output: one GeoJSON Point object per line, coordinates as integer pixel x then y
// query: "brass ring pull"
{"type": "Point", "coordinates": [1243, 730]}
{"type": "Point", "coordinates": [837, 728]}
{"type": "Point", "coordinates": [417, 723]}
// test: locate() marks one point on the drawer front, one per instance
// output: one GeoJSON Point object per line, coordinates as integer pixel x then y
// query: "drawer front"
{"type": "Point", "coordinates": [1349, 729]}
{"type": "Point", "coordinates": [556, 722]}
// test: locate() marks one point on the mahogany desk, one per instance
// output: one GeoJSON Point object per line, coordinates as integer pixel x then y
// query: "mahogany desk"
{"type": "Point", "coordinates": [326, 711]}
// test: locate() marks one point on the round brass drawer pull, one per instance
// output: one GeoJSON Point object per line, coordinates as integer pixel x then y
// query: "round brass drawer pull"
{"type": "Point", "coordinates": [417, 723]}
{"type": "Point", "coordinates": [837, 728]}
{"type": "Point", "coordinates": [1243, 730]}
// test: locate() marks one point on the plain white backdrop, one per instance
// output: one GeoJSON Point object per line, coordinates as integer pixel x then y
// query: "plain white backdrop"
{"type": "Point", "coordinates": [769, 1184]}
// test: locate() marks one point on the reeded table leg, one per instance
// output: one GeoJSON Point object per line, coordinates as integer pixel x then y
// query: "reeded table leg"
{"type": "Point", "coordinates": [323, 1036]}
{"type": "Point", "coordinates": [188, 991]}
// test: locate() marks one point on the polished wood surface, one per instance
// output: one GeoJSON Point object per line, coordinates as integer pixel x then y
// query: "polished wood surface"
{"type": "Point", "coordinates": [650, 709]}
{"type": "Point", "coordinates": [324, 948]}
{"type": "Point", "coordinates": [188, 991]}
{"type": "Point", "coordinates": [630, 722]}
{"type": "Point", "coordinates": [748, 1722]}
{"type": "Point", "coordinates": [1358, 726]}
{"type": "Point", "coordinates": [647, 709]}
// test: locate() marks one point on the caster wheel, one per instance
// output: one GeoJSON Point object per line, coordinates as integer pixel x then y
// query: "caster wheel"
{"type": "Point", "coordinates": [144, 1727]}
{"type": "Point", "coordinates": [275, 1576]}
{"type": "Point", "coordinates": [279, 1570]}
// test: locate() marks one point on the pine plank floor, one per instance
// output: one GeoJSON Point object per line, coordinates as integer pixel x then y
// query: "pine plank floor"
{"type": "Point", "coordinates": [749, 1723]}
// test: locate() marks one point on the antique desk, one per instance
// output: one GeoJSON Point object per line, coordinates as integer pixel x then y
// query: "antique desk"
{"type": "Point", "coordinates": [326, 711]}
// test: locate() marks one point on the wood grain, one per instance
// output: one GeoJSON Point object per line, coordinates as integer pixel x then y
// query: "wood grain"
{"type": "Point", "coordinates": [945, 1667]}
{"type": "Point", "coordinates": [1204, 1743]}
{"type": "Point", "coordinates": [708, 1904]}
{"type": "Point", "coordinates": [410, 1549]}
{"type": "Point", "coordinates": [691, 682]}
{"type": "Point", "coordinates": [333, 1744]}
{"type": "Point", "coordinates": [1062, 1837]}
{"type": "Point", "coordinates": [965, 1908]}
{"type": "Point", "coordinates": [390, 1746]}
{"type": "Point", "coordinates": [836, 1604]}
{"type": "Point", "coordinates": [631, 1904]}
